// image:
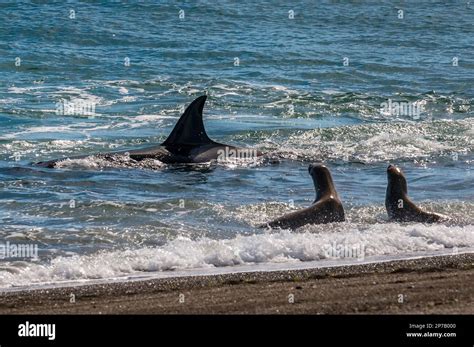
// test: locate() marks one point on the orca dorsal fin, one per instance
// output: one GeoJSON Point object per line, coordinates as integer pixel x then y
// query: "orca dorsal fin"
{"type": "Point", "coordinates": [190, 128]}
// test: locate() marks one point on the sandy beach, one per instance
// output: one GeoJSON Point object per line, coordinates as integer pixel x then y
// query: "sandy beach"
{"type": "Point", "coordinates": [434, 285]}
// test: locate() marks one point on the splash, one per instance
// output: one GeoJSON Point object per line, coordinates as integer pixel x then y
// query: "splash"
{"type": "Point", "coordinates": [279, 247]}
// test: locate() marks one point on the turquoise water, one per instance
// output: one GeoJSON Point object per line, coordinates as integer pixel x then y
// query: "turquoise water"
{"type": "Point", "coordinates": [293, 94]}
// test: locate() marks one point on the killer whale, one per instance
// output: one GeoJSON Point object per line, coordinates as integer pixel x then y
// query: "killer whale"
{"type": "Point", "coordinates": [187, 143]}
{"type": "Point", "coordinates": [326, 208]}
{"type": "Point", "coordinates": [399, 206]}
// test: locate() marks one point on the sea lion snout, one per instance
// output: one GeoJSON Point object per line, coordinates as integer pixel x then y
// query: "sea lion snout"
{"type": "Point", "coordinates": [316, 167]}
{"type": "Point", "coordinates": [394, 170]}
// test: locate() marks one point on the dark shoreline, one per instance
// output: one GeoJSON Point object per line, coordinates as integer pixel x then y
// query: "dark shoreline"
{"type": "Point", "coordinates": [441, 284]}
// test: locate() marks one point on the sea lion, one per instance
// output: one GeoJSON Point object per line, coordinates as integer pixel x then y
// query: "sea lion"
{"type": "Point", "coordinates": [399, 206]}
{"type": "Point", "coordinates": [327, 207]}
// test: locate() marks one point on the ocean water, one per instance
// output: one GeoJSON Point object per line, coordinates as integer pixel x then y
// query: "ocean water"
{"type": "Point", "coordinates": [304, 82]}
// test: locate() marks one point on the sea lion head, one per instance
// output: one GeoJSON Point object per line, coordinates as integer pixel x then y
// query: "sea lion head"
{"type": "Point", "coordinates": [322, 179]}
{"type": "Point", "coordinates": [397, 182]}
{"type": "Point", "coordinates": [317, 167]}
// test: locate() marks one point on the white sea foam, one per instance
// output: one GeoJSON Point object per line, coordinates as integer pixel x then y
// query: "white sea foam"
{"type": "Point", "coordinates": [282, 247]}
{"type": "Point", "coordinates": [379, 142]}
{"type": "Point", "coordinates": [100, 162]}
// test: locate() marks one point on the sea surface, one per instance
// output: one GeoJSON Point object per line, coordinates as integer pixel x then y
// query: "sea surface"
{"type": "Point", "coordinates": [304, 82]}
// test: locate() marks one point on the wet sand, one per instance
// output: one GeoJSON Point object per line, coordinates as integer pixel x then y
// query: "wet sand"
{"type": "Point", "coordinates": [434, 285]}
